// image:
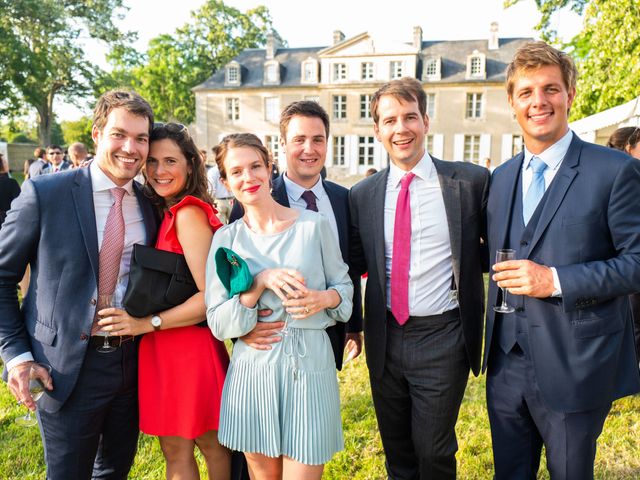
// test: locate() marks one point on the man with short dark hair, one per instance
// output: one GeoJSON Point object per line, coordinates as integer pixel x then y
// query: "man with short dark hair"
{"type": "Point", "coordinates": [562, 349]}
{"type": "Point", "coordinates": [417, 229]}
{"type": "Point", "coordinates": [88, 415]}
{"type": "Point", "coordinates": [40, 163]}
{"type": "Point", "coordinates": [57, 163]}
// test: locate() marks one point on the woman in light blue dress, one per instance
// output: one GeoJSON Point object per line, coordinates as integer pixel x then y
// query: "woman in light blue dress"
{"type": "Point", "coordinates": [280, 406]}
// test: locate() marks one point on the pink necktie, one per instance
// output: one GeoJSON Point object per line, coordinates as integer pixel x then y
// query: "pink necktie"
{"type": "Point", "coordinates": [401, 253]}
{"type": "Point", "coordinates": [111, 250]}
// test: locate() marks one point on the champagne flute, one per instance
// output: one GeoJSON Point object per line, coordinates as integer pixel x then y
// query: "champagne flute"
{"type": "Point", "coordinates": [502, 255]}
{"type": "Point", "coordinates": [36, 388]}
{"type": "Point", "coordinates": [106, 301]}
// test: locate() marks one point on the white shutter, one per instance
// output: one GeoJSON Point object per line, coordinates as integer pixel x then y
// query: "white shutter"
{"type": "Point", "coordinates": [330, 161]}
{"type": "Point", "coordinates": [351, 152]}
{"type": "Point", "coordinates": [438, 145]}
{"type": "Point", "coordinates": [485, 147]}
{"type": "Point", "coordinates": [458, 147]}
{"type": "Point", "coordinates": [507, 143]}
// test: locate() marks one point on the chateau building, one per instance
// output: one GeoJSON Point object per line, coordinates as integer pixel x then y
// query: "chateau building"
{"type": "Point", "coordinates": [470, 118]}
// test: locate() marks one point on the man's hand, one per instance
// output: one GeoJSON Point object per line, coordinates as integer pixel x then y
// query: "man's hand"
{"type": "Point", "coordinates": [524, 277]}
{"type": "Point", "coordinates": [18, 381]}
{"type": "Point", "coordinates": [353, 347]}
{"type": "Point", "coordinates": [264, 333]}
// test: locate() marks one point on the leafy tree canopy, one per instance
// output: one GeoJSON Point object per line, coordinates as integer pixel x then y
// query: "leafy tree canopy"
{"type": "Point", "coordinates": [174, 64]}
{"type": "Point", "coordinates": [78, 131]}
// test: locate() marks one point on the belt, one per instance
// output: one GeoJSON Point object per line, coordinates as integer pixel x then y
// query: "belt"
{"type": "Point", "coordinates": [114, 341]}
{"type": "Point", "coordinates": [448, 315]}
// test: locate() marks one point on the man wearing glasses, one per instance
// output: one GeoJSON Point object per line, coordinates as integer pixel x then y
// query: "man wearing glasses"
{"type": "Point", "coordinates": [57, 163]}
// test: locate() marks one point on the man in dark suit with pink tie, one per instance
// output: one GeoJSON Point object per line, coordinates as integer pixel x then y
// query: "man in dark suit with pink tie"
{"type": "Point", "coordinates": [417, 229]}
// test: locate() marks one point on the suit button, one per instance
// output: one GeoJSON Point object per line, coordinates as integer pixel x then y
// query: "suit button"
{"type": "Point", "coordinates": [83, 336]}
{"type": "Point", "coordinates": [93, 301]}
{"type": "Point", "coordinates": [519, 309]}
{"type": "Point", "coordinates": [524, 243]}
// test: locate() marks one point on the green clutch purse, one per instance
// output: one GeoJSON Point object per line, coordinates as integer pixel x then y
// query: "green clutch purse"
{"type": "Point", "coordinates": [233, 271]}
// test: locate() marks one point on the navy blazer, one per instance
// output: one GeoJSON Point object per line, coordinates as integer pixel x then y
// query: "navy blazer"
{"type": "Point", "coordinates": [339, 198]}
{"type": "Point", "coordinates": [589, 230]}
{"type": "Point", "coordinates": [52, 227]}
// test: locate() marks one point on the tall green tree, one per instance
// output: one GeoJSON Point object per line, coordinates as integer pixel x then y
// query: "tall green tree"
{"type": "Point", "coordinates": [43, 57]}
{"type": "Point", "coordinates": [607, 50]}
{"type": "Point", "coordinates": [176, 63]}
{"type": "Point", "coordinates": [77, 131]}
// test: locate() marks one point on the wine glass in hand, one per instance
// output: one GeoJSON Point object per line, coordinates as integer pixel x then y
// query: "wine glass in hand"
{"type": "Point", "coordinates": [36, 389]}
{"type": "Point", "coordinates": [503, 255]}
{"type": "Point", "coordinates": [106, 301]}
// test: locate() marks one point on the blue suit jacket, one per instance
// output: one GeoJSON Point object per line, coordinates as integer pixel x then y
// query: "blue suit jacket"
{"type": "Point", "coordinates": [52, 227]}
{"type": "Point", "coordinates": [589, 230]}
{"type": "Point", "coordinates": [339, 198]}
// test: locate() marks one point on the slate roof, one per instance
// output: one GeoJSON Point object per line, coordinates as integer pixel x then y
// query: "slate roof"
{"type": "Point", "coordinates": [452, 52]}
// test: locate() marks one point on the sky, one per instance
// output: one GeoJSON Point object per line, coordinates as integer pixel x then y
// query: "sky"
{"type": "Point", "coordinates": [309, 24]}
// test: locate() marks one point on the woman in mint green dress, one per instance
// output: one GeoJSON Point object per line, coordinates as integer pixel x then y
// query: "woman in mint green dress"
{"type": "Point", "coordinates": [280, 406]}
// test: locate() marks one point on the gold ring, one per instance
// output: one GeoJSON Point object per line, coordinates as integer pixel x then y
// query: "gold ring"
{"type": "Point", "coordinates": [306, 309]}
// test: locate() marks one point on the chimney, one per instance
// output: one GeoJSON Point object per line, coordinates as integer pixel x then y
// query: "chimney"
{"type": "Point", "coordinates": [494, 42]}
{"type": "Point", "coordinates": [338, 36]}
{"type": "Point", "coordinates": [417, 37]}
{"type": "Point", "coordinates": [271, 46]}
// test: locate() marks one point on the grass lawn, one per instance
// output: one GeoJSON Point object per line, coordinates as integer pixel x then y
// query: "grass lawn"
{"type": "Point", "coordinates": [362, 459]}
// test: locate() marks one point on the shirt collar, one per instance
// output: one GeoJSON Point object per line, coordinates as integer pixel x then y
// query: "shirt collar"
{"type": "Point", "coordinates": [295, 191]}
{"type": "Point", "coordinates": [422, 169]}
{"type": "Point", "coordinates": [100, 182]}
{"type": "Point", "coordinates": [553, 155]}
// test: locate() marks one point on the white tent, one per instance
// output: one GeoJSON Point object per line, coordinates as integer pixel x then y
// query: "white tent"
{"type": "Point", "coordinates": [598, 127]}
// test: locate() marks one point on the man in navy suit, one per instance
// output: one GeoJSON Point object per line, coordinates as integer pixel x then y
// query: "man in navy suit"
{"type": "Point", "coordinates": [570, 211]}
{"type": "Point", "coordinates": [88, 417]}
{"type": "Point", "coordinates": [304, 130]}
{"type": "Point", "coordinates": [57, 163]}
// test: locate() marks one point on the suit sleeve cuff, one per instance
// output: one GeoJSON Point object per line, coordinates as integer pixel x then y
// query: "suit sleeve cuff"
{"type": "Point", "coordinates": [22, 358]}
{"type": "Point", "coordinates": [557, 289]}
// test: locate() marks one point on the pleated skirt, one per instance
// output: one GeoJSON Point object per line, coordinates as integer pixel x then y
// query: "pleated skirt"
{"type": "Point", "coordinates": [283, 401]}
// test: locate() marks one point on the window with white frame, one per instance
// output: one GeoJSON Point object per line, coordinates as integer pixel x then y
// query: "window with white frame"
{"type": "Point", "coordinates": [339, 71]}
{"type": "Point", "coordinates": [431, 67]}
{"type": "Point", "coordinates": [310, 71]}
{"type": "Point", "coordinates": [339, 107]}
{"type": "Point", "coordinates": [431, 105]}
{"type": "Point", "coordinates": [396, 69]}
{"type": "Point", "coordinates": [517, 144]}
{"type": "Point", "coordinates": [232, 109]}
{"type": "Point", "coordinates": [339, 158]}
{"type": "Point", "coordinates": [272, 109]}
{"type": "Point", "coordinates": [428, 143]}
{"type": "Point", "coordinates": [232, 76]}
{"type": "Point", "coordinates": [365, 151]}
{"type": "Point", "coordinates": [475, 68]}
{"type": "Point", "coordinates": [367, 71]}
{"type": "Point", "coordinates": [474, 105]}
{"type": "Point", "coordinates": [365, 107]}
{"type": "Point", "coordinates": [272, 142]}
{"type": "Point", "coordinates": [471, 148]}
{"type": "Point", "coordinates": [476, 65]}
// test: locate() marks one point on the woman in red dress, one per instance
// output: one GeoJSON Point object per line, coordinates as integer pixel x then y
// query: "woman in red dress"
{"type": "Point", "coordinates": [182, 366]}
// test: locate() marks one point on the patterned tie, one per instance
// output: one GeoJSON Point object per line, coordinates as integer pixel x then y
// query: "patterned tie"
{"type": "Point", "coordinates": [310, 198]}
{"type": "Point", "coordinates": [536, 189]}
{"type": "Point", "coordinates": [401, 253]}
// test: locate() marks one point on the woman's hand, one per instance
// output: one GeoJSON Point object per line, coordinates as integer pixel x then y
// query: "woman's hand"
{"type": "Point", "coordinates": [311, 303]}
{"type": "Point", "coordinates": [284, 282]}
{"type": "Point", "coordinates": [118, 322]}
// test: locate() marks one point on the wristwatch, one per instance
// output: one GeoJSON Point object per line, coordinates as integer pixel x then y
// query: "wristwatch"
{"type": "Point", "coordinates": [156, 322]}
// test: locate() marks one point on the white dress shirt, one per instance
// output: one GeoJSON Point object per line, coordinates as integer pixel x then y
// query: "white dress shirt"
{"type": "Point", "coordinates": [217, 188]}
{"type": "Point", "coordinates": [295, 191]}
{"type": "Point", "coordinates": [553, 157]}
{"type": "Point", "coordinates": [430, 270]}
{"type": "Point", "coordinates": [133, 227]}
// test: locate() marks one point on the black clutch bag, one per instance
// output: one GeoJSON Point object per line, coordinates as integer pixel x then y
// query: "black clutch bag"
{"type": "Point", "coordinates": [158, 280]}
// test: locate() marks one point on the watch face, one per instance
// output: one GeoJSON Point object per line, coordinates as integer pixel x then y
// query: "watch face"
{"type": "Point", "coordinates": [156, 321]}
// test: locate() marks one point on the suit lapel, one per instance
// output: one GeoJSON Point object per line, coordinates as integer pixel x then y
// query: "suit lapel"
{"type": "Point", "coordinates": [279, 191]}
{"type": "Point", "coordinates": [505, 205]}
{"type": "Point", "coordinates": [83, 200]}
{"type": "Point", "coordinates": [377, 227]}
{"type": "Point", "coordinates": [450, 187]}
{"type": "Point", "coordinates": [339, 212]}
{"type": "Point", "coordinates": [557, 190]}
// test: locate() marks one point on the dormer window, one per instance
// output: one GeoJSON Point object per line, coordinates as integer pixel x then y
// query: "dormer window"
{"type": "Point", "coordinates": [271, 72]}
{"type": "Point", "coordinates": [432, 69]}
{"type": "Point", "coordinates": [476, 63]}
{"type": "Point", "coordinates": [232, 74]}
{"type": "Point", "coordinates": [310, 71]}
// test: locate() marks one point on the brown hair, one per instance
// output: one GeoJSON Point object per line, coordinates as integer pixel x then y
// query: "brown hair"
{"type": "Point", "coordinates": [197, 183]}
{"type": "Point", "coordinates": [129, 100]}
{"type": "Point", "coordinates": [303, 108]}
{"type": "Point", "coordinates": [624, 137]}
{"type": "Point", "coordinates": [534, 55]}
{"type": "Point", "coordinates": [237, 140]}
{"type": "Point", "coordinates": [404, 89]}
